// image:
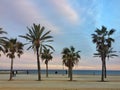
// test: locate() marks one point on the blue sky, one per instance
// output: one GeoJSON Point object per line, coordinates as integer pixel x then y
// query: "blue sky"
{"type": "Point", "coordinates": [71, 21]}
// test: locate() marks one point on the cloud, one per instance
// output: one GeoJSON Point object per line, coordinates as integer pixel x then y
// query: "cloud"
{"type": "Point", "coordinates": [94, 11]}
{"type": "Point", "coordinates": [89, 11]}
{"type": "Point", "coordinates": [64, 8]}
{"type": "Point", "coordinates": [25, 12]}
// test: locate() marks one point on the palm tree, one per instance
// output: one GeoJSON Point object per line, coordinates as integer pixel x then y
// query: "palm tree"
{"type": "Point", "coordinates": [2, 39]}
{"type": "Point", "coordinates": [38, 39]}
{"type": "Point", "coordinates": [109, 54]}
{"type": "Point", "coordinates": [103, 43]}
{"type": "Point", "coordinates": [46, 56]}
{"type": "Point", "coordinates": [70, 58]}
{"type": "Point", "coordinates": [12, 48]}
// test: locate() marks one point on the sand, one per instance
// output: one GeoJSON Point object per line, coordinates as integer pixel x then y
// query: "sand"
{"type": "Point", "coordinates": [59, 82]}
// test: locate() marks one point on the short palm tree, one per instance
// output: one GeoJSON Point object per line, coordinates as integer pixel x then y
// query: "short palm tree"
{"type": "Point", "coordinates": [2, 40]}
{"type": "Point", "coordinates": [38, 40]}
{"type": "Point", "coordinates": [103, 43]}
{"type": "Point", "coordinates": [46, 56]}
{"type": "Point", "coordinates": [12, 48]}
{"type": "Point", "coordinates": [70, 58]}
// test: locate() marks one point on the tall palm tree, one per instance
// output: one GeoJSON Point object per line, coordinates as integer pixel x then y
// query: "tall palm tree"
{"type": "Point", "coordinates": [102, 39]}
{"type": "Point", "coordinates": [46, 56]}
{"type": "Point", "coordinates": [38, 40]}
{"type": "Point", "coordinates": [70, 58]}
{"type": "Point", "coordinates": [2, 39]}
{"type": "Point", "coordinates": [12, 48]}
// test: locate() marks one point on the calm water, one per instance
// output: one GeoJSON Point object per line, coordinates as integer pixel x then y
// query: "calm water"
{"type": "Point", "coordinates": [78, 72]}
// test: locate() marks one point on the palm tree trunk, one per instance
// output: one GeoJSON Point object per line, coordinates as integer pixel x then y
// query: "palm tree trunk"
{"type": "Point", "coordinates": [105, 70]}
{"type": "Point", "coordinates": [71, 74]}
{"type": "Point", "coordinates": [11, 71]}
{"type": "Point", "coordinates": [46, 69]}
{"type": "Point", "coordinates": [38, 63]}
{"type": "Point", "coordinates": [102, 75]}
{"type": "Point", "coordinates": [70, 70]}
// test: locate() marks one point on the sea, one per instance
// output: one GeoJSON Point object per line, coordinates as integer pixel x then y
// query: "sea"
{"type": "Point", "coordinates": [63, 72]}
{"type": "Point", "coordinates": [78, 72]}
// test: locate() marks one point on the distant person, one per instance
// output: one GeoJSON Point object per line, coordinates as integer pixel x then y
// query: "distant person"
{"type": "Point", "coordinates": [13, 73]}
{"type": "Point", "coordinates": [56, 72]}
{"type": "Point", "coordinates": [16, 72]}
{"type": "Point", "coordinates": [27, 72]}
{"type": "Point", "coordinates": [66, 71]}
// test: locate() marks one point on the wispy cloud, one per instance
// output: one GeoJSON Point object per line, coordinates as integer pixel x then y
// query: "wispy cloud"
{"type": "Point", "coordinates": [25, 12]}
{"type": "Point", "coordinates": [94, 11]}
{"type": "Point", "coordinates": [66, 10]}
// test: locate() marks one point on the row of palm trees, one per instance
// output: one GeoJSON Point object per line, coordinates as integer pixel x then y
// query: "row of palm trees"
{"type": "Point", "coordinates": [38, 39]}
{"type": "Point", "coordinates": [39, 42]}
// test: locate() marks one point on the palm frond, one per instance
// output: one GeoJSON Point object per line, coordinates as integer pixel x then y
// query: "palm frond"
{"type": "Point", "coordinates": [111, 32]}
{"type": "Point", "coordinates": [41, 32]}
{"type": "Point", "coordinates": [45, 34]}
{"type": "Point", "coordinates": [46, 38]}
{"type": "Point", "coordinates": [49, 46]}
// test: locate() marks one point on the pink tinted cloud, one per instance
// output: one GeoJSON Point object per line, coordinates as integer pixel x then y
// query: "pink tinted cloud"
{"type": "Point", "coordinates": [26, 13]}
{"type": "Point", "coordinates": [65, 9]}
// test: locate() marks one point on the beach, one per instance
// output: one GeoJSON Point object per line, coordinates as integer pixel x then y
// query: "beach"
{"type": "Point", "coordinates": [58, 82]}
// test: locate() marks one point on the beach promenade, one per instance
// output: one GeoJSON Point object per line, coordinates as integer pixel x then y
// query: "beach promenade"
{"type": "Point", "coordinates": [58, 82]}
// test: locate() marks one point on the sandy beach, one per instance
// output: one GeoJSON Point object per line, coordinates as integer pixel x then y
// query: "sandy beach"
{"type": "Point", "coordinates": [58, 82]}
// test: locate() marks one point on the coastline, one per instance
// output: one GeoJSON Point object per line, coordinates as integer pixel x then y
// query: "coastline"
{"type": "Point", "coordinates": [58, 82]}
{"type": "Point", "coordinates": [60, 71]}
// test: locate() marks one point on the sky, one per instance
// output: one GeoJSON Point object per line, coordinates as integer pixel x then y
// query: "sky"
{"type": "Point", "coordinates": [71, 23]}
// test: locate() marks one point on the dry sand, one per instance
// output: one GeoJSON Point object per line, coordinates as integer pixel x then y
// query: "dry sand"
{"type": "Point", "coordinates": [59, 82]}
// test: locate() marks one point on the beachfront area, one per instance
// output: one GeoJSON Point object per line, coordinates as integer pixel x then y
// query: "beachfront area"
{"type": "Point", "coordinates": [58, 82]}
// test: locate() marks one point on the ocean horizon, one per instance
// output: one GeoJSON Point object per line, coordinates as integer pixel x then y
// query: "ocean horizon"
{"type": "Point", "coordinates": [63, 72]}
